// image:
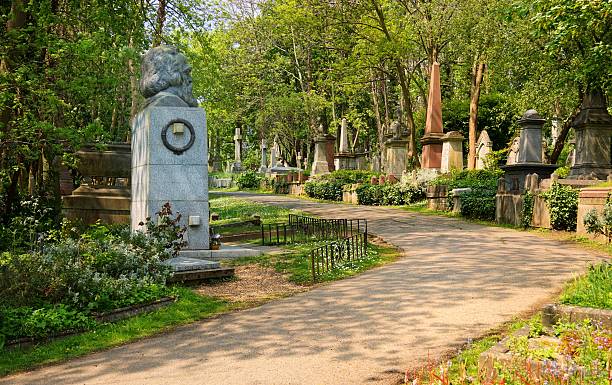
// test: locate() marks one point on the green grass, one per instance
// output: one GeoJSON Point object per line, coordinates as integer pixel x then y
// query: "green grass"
{"type": "Point", "coordinates": [591, 290]}
{"type": "Point", "coordinates": [231, 209]}
{"type": "Point", "coordinates": [295, 262]}
{"type": "Point", "coordinates": [188, 308]}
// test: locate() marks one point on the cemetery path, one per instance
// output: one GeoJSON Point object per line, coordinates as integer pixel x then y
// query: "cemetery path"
{"type": "Point", "coordinates": [455, 281]}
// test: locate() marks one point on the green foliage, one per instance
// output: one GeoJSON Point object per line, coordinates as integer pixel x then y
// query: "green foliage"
{"type": "Point", "coordinates": [232, 209]}
{"type": "Point", "coordinates": [595, 225]}
{"type": "Point", "coordinates": [495, 115]}
{"type": "Point", "coordinates": [527, 213]}
{"type": "Point", "coordinates": [330, 190]}
{"type": "Point", "coordinates": [563, 172]}
{"type": "Point", "coordinates": [32, 217]}
{"type": "Point", "coordinates": [563, 205]}
{"type": "Point", "coordinates": [388, 194]}
{"type": "Point", "coordinates": [348, 176]}
{"type": "Point", "coordinates": [248, 180]}
{"type": "Point", "coordinates": [41, 322]}
{"type": "Point", "coordinates": [592, 290]}
{"type": "Point", "coordinates": [478, 204]}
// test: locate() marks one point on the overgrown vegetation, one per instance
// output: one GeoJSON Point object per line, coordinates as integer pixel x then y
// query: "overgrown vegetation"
{"type": "Point", "coordinates": [389, 194]}
{"type": "Point", "coordinates": [57, 286]}
{"type": "Point", "coordinates": [248, 179]}
{"type": "Point", "coordinates": [563, 205]}
{"type": "Point", "coordinates": [591, 290]}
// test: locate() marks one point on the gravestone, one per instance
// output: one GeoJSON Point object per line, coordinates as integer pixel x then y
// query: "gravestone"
{"type": "Point", "coordinates": [237, 165]}
{"type": "Point", "coordinates": [484, 147]}
{"type": "Point", "coordinates": [432, 139]}
{"type": "Point", "coordinates": [263, 168]}
{"type": "Point", "coordinates": [344, 159]}
{"type": "Point", "coordinates": [169, 149]}
{"type": "Point", "coordinates": [529, 158]}
{"type": "Point", "coordinates": [593, 127]}
{"type": "Point", "coordinates": [452, 152]}
{"type": "Point", "coordinates": [513, 152]}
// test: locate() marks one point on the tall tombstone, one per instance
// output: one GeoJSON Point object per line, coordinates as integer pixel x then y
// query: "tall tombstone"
{"type": "Point", "coordinates": [169, 148]}
{"type": "Point", "coordinates": [593, 127]}
{"type": "Point", "coordinates": [263, 168]}
{"type": "Point", "coordinates": [216, 161]}
{"type": "Point", "coordinates": [344, 159]}
{"type": "Point", "coordinates": [323, 161]}
{"type": "Point", "coordinates": [299, 160]}
{"type": "Point", "coordinates": [432, 139]}
{"type": "Point", "coordinates": [529, 154]}
{"type": "Point", "coordinates": [452, 152]}
{"type": "Point", "coordinates": [274, 153]}
{"type": "Point", "coordinates": [237, 165]}
{"type": "Point", "coordinates": [484, 146]}
{"type": "Point", "coordinates": [396, 151]}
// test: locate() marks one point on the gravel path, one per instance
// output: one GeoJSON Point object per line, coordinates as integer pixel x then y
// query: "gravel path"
{"type": "Point", "coordinates": [456, 281]}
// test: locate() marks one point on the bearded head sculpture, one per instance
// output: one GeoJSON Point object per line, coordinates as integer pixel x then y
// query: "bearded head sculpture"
{"type": "Point", "coordinates": [166, 78]}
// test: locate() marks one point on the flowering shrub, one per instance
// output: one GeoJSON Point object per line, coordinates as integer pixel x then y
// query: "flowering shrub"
{"type": "Point", "coordinates": [102, 269]}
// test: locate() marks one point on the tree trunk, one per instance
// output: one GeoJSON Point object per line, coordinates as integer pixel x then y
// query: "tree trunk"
{"type": "Point", "coordinates": [477, 74]}
{"type": "Point", "coordinates": [159, 23]}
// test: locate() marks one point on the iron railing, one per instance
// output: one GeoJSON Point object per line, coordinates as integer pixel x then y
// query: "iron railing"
{"type": "Point", "coordinates": [336, 253]}
{"type": "Point", "coordinates": [301, 228]}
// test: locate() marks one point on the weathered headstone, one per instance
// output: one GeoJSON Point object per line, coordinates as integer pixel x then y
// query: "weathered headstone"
{"type": "Point", "coordinates": [169, 148]}
{"type": "Point", "coordinates": [484, 147]}
{"type": "Point", "coordinates": [513, 152]}
{"type": "Point", "coordinates": [431, 140]}
{"type": "Point", "coordinates": [274, 153]}
{"type": "Point", "coordinates": [452, 152]}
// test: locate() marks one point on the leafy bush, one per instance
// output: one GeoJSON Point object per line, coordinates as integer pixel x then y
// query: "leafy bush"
{"type": "Point", "coordinates": [591, 290]}
{"type": "Point", "coordinates": [389, 194]}
{"type": "Point", "coordinates": [328, 190]}
{"type": "Point", "coordinates": [478, 204]}
{"type": "Point", "coordinates": [54, 287]}
{"type": "Point", "coordinates": [563, 205]}
{"type": "Point", "coordinates": [348, 176]}
{"type": "Point", "coordinates": [248, 180]}
{"type": "Point", "coordinates": [34, 216]}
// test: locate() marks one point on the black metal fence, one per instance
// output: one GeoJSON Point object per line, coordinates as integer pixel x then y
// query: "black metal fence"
{"type": "Point", "coordinates": [303, 228]}
{"type": "Point", "coordinates": [334, 254]}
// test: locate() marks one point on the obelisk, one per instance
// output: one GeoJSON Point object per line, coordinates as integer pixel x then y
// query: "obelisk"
{"type": "Point", "coordinates": [432, 139]}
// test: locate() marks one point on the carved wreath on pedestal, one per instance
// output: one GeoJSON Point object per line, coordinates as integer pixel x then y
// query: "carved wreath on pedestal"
{"type": "Point", "coordinates": [174, 149]}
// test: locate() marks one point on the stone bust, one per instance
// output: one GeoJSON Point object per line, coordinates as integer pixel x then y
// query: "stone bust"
{"type": "Point", "coordinates": [166, 78]}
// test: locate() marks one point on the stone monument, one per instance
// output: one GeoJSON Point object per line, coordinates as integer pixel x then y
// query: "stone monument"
{"type": "Point", "coordinates": [395, 151]}
{"type": "Point", "coordinates": [432, 139]}
{"type": "Point", "coordinates": [263, 168]}
{"type": "Point", "coordinates": [237, 165]}
{"type": "Point", "coordinates": [593, 127]}
{"type": "Point", "coordinates": [452, 152]}
{"type": "Point", "coordinates": [484, 147]}
{"type": "Point", "coordinates": [320, 164]}
{"type": "Point", "coordinates": [529, 159]}
{"type": "Point", "coordinates": [169, 149]}
{"type": "Point", "coordinates": [344, 159]}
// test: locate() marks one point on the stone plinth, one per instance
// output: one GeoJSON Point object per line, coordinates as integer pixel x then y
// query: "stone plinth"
{"type": "Point", "coordinates": [109, 203]}
{"type": "Point", "coordinates": [593, 127]}
{"type": "Point", "coordinates": [162, 173]}
{"type": "Point", "coordinates": [515, 174]}
{"type": "Point", "coordinates": [589, 199]}
{"type": "Point", "coordinates": [432, 151]}
{"type": "Point", "coordinates": [320, 164]}
{"type": "Point", "coordinates": [437, 196]}
{"type": "Point", "coordinates": [344, 161]}
{"type": "Point", "coordinates": [395, 156]}
{"type": "Point", "coordinates": [452, 152]}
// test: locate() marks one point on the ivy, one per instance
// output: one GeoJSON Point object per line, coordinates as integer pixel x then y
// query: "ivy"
{"type": "Point", "coordinates": [527, 213]}
{"type": "Point", "coordinates": [562, 202]}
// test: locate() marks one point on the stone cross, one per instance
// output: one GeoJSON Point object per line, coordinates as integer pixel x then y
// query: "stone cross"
{"type": "Point", "coordinates": [237, 145]}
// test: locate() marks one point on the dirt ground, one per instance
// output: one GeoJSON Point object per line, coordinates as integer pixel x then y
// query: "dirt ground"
{"type": "Point", "coordinates": [252, 283]}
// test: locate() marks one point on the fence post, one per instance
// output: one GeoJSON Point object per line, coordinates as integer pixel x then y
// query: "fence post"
{"type": "Point", "coordinates": [312, 264]}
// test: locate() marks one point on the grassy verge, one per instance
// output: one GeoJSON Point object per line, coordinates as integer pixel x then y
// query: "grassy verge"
{"type": "Point", "coordinates": [591, 290]}
{"type": "Point", "coordinates": [188, 308]}
{"type": "Point", "coordinates": [295, 262]}
{"type": "Point", "coordinates": [231, 209]}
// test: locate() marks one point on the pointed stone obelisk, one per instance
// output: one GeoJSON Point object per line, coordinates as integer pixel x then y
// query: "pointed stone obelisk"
{"type": "Point", "coordinates": [344, 145]}
{"type": "Point", "coordinates": [344, 159]}
{"type": "Point", "coordinates": [432, 139]}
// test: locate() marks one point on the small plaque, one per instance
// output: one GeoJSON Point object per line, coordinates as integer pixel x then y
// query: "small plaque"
{"type": "Point", "coordinates": [194, 220]}
{"type": "Point", "coordinates": [178, 128]}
